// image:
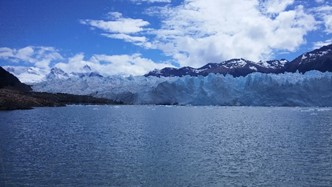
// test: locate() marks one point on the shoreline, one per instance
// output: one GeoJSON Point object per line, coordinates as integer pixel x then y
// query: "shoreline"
{"type": "Point", "coordinates": [11, 99]}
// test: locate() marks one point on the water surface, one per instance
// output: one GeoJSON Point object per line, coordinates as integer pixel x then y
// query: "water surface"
{"type": "Point", "coordinates": [166, 146]}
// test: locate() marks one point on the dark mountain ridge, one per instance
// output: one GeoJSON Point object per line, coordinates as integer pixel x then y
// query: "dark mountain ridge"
{"type": "Point", "coordinates": [8, 80]}
{"type": "Point", "coordinates": [319, 59]}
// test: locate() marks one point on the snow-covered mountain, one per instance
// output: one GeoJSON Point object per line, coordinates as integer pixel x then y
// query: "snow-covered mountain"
{"type": "Point", "coordinates": [27, 75]}
{"type": "Point", "coordinates": [320, 59]}
{"type": "Point", "coordinates": [233, 82]}
{"type": "Point", "coordinates": [57, 73]}
{"type": "Point", "coordinates": [33, 75]}
{"type": "Point", "coordinates": [86, 72]}
{"type": "Point", "coordinates": [234, 67]}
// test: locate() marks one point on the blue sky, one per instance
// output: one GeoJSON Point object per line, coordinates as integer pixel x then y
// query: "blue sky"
{"type": "Point", "coordinates": [135, 36]}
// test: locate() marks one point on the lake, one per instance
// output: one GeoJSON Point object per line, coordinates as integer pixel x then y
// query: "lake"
{"type": "Point", "coordinates": [166, 146]}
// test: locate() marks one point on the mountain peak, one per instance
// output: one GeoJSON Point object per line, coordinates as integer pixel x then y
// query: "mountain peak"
{"type": "Point", "coordinates": [57, 73]}
{"type": "Point", "coordinates": [56, 70]}
{"type": "Point", "coordinates": [87, 68]}
{"type": "Point", "coordinates": [319, 59]}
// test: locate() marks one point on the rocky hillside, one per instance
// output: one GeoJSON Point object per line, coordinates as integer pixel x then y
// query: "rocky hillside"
{"type": "Point", "coordinates": [319, 59]}
{"type": "Point", "coordinates": [8, 80]}
{"type": "Point", "coordinates": [16, 95]}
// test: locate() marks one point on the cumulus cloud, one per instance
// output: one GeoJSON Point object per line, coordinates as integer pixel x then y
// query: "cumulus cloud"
{"type": "Point", "coordinates": [324, 14]}
{"type": "Point", "coordinates": [201, 31]}
{"type": "Point", "coordinates": [328, 23]}
{"type": "Point", "coordinates": [197, 32]}
{"type": "Point", "coordinates": [119, 27]}
{"type": "Point", "coordinates": [109, 65]}
{"type": "Point", "coordinates": [39, 61]}
{"type": "Point", "coordinates": [320, 44]}
{"type": "Point", "coordinates": [40, 57]}
{"type": "Point", "coordinates": [276, 6]}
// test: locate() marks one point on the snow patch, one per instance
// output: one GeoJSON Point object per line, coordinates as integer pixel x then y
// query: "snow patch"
{"type": "Point", "coordinates": [253, 68]}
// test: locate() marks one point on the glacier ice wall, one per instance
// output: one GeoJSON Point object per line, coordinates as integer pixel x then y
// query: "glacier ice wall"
{"type": "Point", "coordinates": [290, 89]}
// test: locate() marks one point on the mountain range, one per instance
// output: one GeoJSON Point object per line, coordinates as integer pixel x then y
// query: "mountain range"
{"type": "Point", "coordinates": [57, 73]}
{"type": "Point", "coordinates": [31, 75]}
{"type": "Point", "coordinates": [319, 59]}
{"type": "Point", "coordinates": [16, 95]}
{"type": "Point", "coordinates": [301, 82]}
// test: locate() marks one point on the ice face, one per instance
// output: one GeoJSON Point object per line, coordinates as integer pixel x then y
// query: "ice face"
{"type": "Point", "coordinates": [290, 89]}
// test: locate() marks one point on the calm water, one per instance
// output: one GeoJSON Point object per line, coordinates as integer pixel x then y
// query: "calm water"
{"type": "Point", "coordinates": [166, 146]}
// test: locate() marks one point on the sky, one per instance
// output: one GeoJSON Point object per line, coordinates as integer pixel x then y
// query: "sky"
{"type": "Point", "coordinates": [132, 37]}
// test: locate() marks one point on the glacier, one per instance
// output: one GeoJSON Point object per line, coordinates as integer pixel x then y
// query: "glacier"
{"type": "Point", "coordinates": [313, 88]}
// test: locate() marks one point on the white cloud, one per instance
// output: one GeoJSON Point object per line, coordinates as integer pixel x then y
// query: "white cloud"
{"type": "Point", "coordinates": [108, 65]}
{"type": "Point", "coordinates": [39, 61]}
{"type": "Point", "coordinates": [6, 53]}
{"type": "Point", "coordinates": [276, 6]}
{"type": "Point", "coordinates": [201, 31]}
{"type": "Point", "coordinates": [328, 23]}
{"type": "Point", "coordinates": [40, 57]}
{"type": "Point", "coordinates": [324, 14]}
{"type": "Point", "coordinates": [121, 25]}
{"type": "Point", "coordinates": [320, 44]}
{"type": "Point", "coordinates": [127, 38]}
{"type": "Point", "coordinates": [25, 54]}
{"type": "Point", "coordinates": [73, 64]}
{"type": "Point", "coordinates": [137, 40]}
{"type": "Point", "coordinates": [118, 27]}
{"type": "Point", "coordinates": [128, 64]}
